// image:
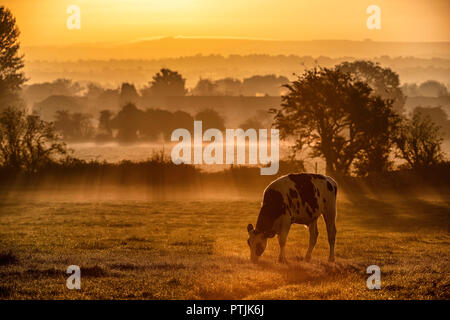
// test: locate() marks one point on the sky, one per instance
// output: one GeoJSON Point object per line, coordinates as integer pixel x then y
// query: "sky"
{"type": "Point", "coordinates": [43, 22]}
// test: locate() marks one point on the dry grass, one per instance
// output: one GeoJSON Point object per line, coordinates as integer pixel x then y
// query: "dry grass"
{"type": "Point", "coordinates": [198, 250]}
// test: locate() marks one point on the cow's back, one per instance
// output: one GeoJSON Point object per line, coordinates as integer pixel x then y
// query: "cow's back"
{"type": "Point", "coordinates": [303, 196]}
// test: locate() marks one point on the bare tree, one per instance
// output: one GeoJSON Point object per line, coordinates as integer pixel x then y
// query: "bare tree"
{"type": "Point", "coordinates": [26, 142]}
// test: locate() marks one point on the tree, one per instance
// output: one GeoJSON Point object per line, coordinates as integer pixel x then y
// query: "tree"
{"type": "Point", "coordinates": [37, 92]}
{"type": "Point", "coordinates": [438, 116]}
{"type": "Point", "coordinates": [379, 135]}
{"type": "Point", "coordinates": [27, 142]}
{"type": "Point", "coordinates": [229, 87]}
{"type": "Point", "coordinates": [128, 94]}
{"type": "Point", "coordinates": [129, 121]}
{"type": "Point", "coordinates": [383, 81]}
{"type": "Point", "coordinates": [211, 119]}
{"type": "Point", "coordinates": [410, 90]}
{"type": "Point", "coordinates": [328, 111]}
{"type": "Point", "coordinates": [157, 124]}
{"type": "Point", "coordinates": [205, 87]}
{"type": "Point", "coordinates": [104, 123]}
{"type": "Point", "coordinates": [270, 85]}
{"type": "Point", "coordinates": [419, 142]}
{"type": "Point", "coordinates": [94, 91]}
{"type": "Point", "coordinates": [11, 78]}
{"type": "Point", "coordinates": [252, 123]}
{"type": "Point", "coordinates": [432, 88]}
{"type": "Point", "coordinates": [166, 83]}
{"type": "Point", "coordinates": [74, 126]}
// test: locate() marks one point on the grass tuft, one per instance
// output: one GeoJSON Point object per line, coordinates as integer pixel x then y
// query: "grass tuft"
{"type": "Point", "coordinates": [7, 258]}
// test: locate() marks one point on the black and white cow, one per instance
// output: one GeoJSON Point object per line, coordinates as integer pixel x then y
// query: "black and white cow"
{"type": "Point", "coordinates": [295, 198]}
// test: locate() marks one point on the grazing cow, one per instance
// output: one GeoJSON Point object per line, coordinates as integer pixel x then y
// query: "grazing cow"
{"type": "Point", "coordinates": [295, 198]}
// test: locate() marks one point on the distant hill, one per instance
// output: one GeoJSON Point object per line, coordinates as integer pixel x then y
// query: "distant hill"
{"type": "Point", "coordinates": [176, 47]}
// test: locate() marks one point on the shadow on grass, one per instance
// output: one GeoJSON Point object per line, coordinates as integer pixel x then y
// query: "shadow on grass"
{"type": "Point", "coordinates": [7, 258]}
{"type": "Point", "coordinates": [267, 275]}
{"type": "Point", "coordinates": [400, 215]}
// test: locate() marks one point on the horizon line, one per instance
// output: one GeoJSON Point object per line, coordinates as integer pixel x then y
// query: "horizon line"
{"type": "Point", "coordinates": [182, 37]}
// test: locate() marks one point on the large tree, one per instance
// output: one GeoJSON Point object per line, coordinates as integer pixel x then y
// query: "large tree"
{"type": "Point", "coordinates": [11, 62]}
{"type": "Point", "coordinates": [383, 81]}
{"type": "Point", "coordinates": [329, 112]}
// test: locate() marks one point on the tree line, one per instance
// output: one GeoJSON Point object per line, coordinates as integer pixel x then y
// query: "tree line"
{"type": "Point", "coordinates": [350, 115]}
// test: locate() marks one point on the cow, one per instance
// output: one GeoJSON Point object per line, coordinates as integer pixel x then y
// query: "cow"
{"type": "Point", "coordinates": [294, 198]}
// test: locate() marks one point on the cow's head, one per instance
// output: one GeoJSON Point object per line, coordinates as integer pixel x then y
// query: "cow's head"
{"type": "Point", "coordinates": [257, 243]}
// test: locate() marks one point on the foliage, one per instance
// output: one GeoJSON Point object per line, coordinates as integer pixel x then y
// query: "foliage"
{"type": "Point", "coordinates": [205, 87]}
{"type": "Point", "coordinates": [419, 142]}
{"type": "Point", "coordinates": [27, 142]}
{"type": "Point", "coordinates": [166, 83]}
{"type": "Point", "coordinates": [380, 129]}
{"type": "Point", "coordinates": [210, 119]}
{"type": "Point", "coordinates": [74, 126]}
{"type": "Point", "coordinates": [383, 81]}
{"type": "Point", "coordinates": [11, 78]}
{"type": "Point", "coordinates": [329, 112]}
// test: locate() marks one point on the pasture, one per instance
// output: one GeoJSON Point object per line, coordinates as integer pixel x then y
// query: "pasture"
{"type": "Point", "coordinates": [197, 250]}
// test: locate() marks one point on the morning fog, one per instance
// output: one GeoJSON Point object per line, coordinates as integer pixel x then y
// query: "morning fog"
{"type": "Point", "coordinates": [213, 153]}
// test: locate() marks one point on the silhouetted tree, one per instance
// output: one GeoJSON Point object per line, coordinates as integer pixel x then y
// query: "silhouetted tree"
{"type": "Point", "coordinates": [48, 107]}
{"type": "Point", "coordinates": [37, 92]}
{"type": "Point", "coordinates": [229, 87]}
{"type": "Point", "coordinates": [74, 126]}
{"type": "Point", "coordinates": [252, 123]}
{"type": "Point", "coordinates": [11, 78]}
{"type": "Point", "coordinates": [380, 124]}
{"type": "Point", "coordinates": [157, 124]}
{"type": "Point", "coordinates": [205, 87]}
{"type": "Point", "coordinates": [328, 111]}
{"type": "Point", "coordinates": [94, 91]}
{"type": "Point", "coordinates": [128, 94]}
{"type": "Point", "coordinates": [383, 81]}
{"type": "Point", "coordinates": [104, 122]}
{"type": "Point", "coordinates": [128, 121]}
{"type": "Point", "coordinates": [104, 129]}
{"type": "Point", "coordinates": [210, 119]}
{"type": "Point", "coordinates": [438, 116]}
{"type": "Point", "coordinates": [419, 142]}
{"type": "Point", "coordinates": [432, 88]}
{"type": "Point", "coordinates": [270, 85]}
{"type": "Point", "coordinates": [410, 90]}
{"type": "Point", "coordinates": [27, 142]}
{"type": "Point", "coordinates": [181, 119]}
{"type": "Point", "coordinates": [166, 83]}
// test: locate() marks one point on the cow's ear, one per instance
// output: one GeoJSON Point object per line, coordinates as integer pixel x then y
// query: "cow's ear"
{"type": "Point", "coordinates": [249, 227]}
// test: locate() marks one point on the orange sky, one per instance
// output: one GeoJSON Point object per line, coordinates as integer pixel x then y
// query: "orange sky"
{"type": "Point", "coordinates": [43, 22]}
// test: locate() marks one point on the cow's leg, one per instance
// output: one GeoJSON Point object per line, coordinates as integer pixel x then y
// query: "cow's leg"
{"type": "Point", "coordinates": [313, 234]}
{"type": "Point", "coordinates": [330, 221]}
{"type": "Point", "coordinates": [282, 238]}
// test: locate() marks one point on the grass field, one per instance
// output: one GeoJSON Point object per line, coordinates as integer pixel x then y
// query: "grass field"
{"type": "Point", "coordinates": [198, 250]}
